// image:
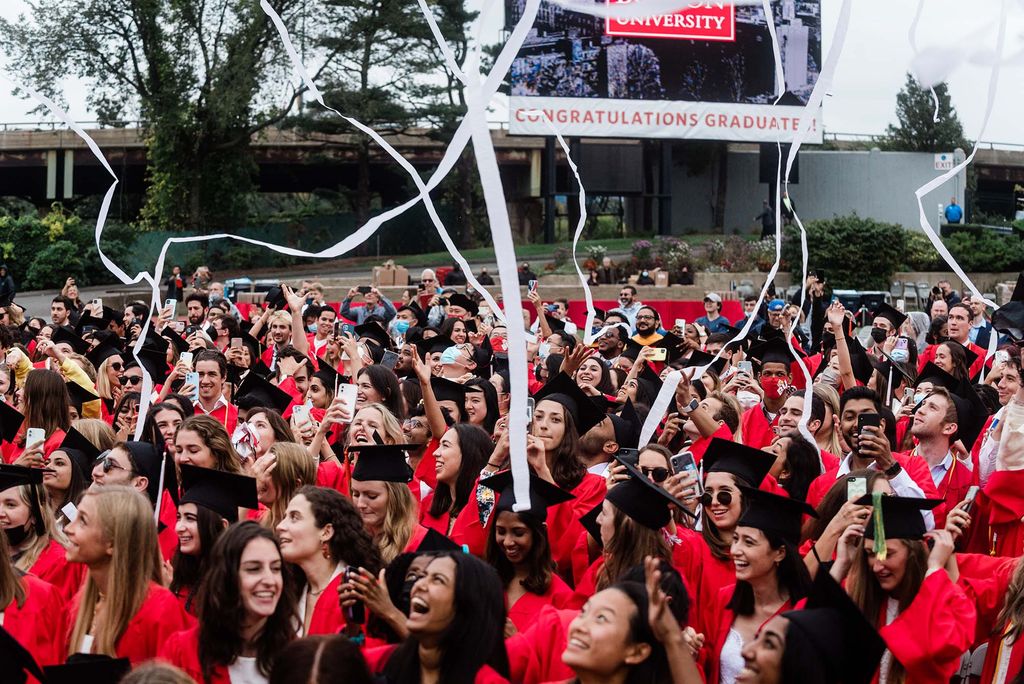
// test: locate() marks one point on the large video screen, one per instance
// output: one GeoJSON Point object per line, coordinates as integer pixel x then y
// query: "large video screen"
{"type": "Point", "coordinates": [704, 72]}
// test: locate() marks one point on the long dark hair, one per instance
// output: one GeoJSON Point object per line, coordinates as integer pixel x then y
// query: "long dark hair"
{"type": "Point", "coordinates": [351, 541]}
{"type": "Point", "coordinates": [47, 402]}
{"type": "Point", "coordinates": [490, 401]}
{"type": "Point", "coordinates": [475, 636]}
{"type": "Point", "coordinates": [323, 658]}
{"type": "Point", "coordinates": [790, 574]}
{"type": "Point", "coordinates": [566, 467]}
{"type": "Point", "coordinates": [804, 466]}
{"type": "Point", "coordinates": [476, 446]}
{"type": "Point", "coordinates": [385, 382]}
{"type": "Point", "coordinates": [189, 569]}
{"type": "Point", "coordinates": [802, 661]}
{"type": "Point", "coordinates": [150, 432]}
{"type": "Point", "coordinates": [538, 560]}
{"type": "Point", "coordinates": [221, 611]}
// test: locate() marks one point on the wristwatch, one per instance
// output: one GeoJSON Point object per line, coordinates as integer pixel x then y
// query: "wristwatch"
{"type": "Point", "coordinates": [689, 408]}
{"type": "Point", "coordinates": [893, 470]}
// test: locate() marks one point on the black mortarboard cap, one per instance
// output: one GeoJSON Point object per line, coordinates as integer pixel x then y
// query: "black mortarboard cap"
{"type": "Point", "coordinates": [891, 314]}
{"type": "Point", "coordinates": [670, 342]}
{"type": "Point", "coordinates": [100, 323]}
{"type": "Point", "coordinates": [438, 343]}
{"type": "Point", "coordinates": [563, 390]}
{"type": "Point", "coordinates": [328, 376]}
{"type": "Point", "coordinates": [255, 347]}
{"type": "Point", "coordinates": [556, 324]}
{"type": "Point", "coordinates": [651, 380]}
{"type": "Point", "coordinates": [699, 359]}
{"type": "Point", "coordinates": [543, 494]}
{"type": "Point", "coordinates": [373, 331]}
{"type": "Point", "coordinates": [149, 461]}
{"type": "Point", "coordinates": [10, 421]}
{"type": "Point", "coordinates": [1009, 318]}
{"type": "Point", "coordinates": [15, 476]}
{"type": "Point", "coordinates": [275, 298]}
{"type": "Point", "coordinates": [600, 314]}
{"type": "Point", "coordinates": [154, 361]}
{"type": "Point", "coordinates": [901, 516]}
{"type": "Point", "coordinates": [748, 463]}
{"type": "Point", "coordinates": [435, 542]}
{"type": "Point", "coordinates": [263, 391]}
{"type": "Point", "coordinates": [382, 462]}
{"type": "Point", "coordinates": [68, 336]}
{"type": "Point", "coordinates": [220, 491]}
{"type": "Point", "coordinates": [102, 352]}
{"type": "Point", "coordinates": [732, 332]}
{"type": "Point", "coordinates": [830, 623]}
{"type": "Point", "coordinates": [773, 350]}
{"type": "Point", "coordinates": [589, 522]}
{"type": "Point", "coordinates": [179, 342]}
{"type": "Point", "coordinates": [643, 500]}
{"type": "Point", "coordinates": [773, 513]}
{"type": "Point", "coordinates": [88, 667]}
{"type": "Point", "coordinates": [935, 375]}
{"type": "Point", "coordinates": [446, 390]}
{"type": "Point", "coordinates": [627, 426]}
{"type": "Point", "coordinates": [16, 662]}
{"type": "Point", "coordinates": [631, 349]}
{"type": "Point", "coordinates": [860, 360]}
{"type": "Point", "coordinates": [81, 451]}
{"type": "Point", "coordinates": [885, 366]}
{"type": "Point", "coordinates": [459, 299]}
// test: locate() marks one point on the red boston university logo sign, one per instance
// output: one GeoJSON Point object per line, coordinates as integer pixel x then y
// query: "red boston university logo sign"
{"type": "Point", "coordinates": [699, 21]}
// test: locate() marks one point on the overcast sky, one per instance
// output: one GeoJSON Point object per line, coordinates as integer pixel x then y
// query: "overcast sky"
{"type": "Point", "coordinates": [871, 70]}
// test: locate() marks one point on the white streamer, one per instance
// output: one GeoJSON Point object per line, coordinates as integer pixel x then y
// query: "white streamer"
{"type": "Point", "coordinates": [940, 180]}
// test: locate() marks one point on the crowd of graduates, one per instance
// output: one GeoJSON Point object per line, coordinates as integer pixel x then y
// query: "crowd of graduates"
{"type": "Point", "coordinates": [323, 493]}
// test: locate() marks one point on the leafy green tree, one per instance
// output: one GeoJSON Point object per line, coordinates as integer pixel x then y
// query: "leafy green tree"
{"type": "Point", "coordinates": [203, 76]}
{"type": "Point", "coordinates": [916, 129]}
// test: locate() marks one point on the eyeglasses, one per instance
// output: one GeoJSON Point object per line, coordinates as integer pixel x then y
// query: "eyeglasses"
{"type": "Point", "coordinates": [724, 498]}
{"type": "Point", "coordinates": [658, 474]}
{"type": "Point", "coordinates": [413, 424]}
{"type": "Point", "coordinates": [109, 464]}
{"type": "Point", "coordinates": [132, 379]}
{"type": "Point", "coordinates": [645, 318]}
{"type": "Point", "coordinates": [117, 365]}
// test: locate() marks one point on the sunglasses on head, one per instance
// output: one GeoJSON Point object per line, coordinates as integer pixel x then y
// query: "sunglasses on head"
{"type": "Point", "coordinates": [724, 498]}
{"type": "Point", "coordinates": [657, 474]}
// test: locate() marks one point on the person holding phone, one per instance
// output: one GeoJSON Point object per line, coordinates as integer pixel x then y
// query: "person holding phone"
{"type": "Point", "coordinates": [247, 611]}
{"type": "Point", "coordinates": [863, 431]}
{"type": "Point", "coordinates": [375, 304]}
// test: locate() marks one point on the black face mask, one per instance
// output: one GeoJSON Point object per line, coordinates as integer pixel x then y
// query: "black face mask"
{"type": "Point", "coordinates": [16, 535]}
{"type": "Point", "coordinates": [878, 335]}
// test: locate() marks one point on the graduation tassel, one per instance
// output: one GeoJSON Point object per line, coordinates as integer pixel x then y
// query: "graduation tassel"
{"type": "Point", "coordinates": [876, 501]}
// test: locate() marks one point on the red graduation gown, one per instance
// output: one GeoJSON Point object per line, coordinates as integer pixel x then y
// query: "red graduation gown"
{"type": "Point", "coordinates": [11, 451]}
{"type": "Point", "coordinates": [225, 415]}
{"type": "Point", "coordinates": [523, 612]}
{"type": "Point", "coordinates": [953, 488]}
{"type": "Point", "coordinates": [979, 363]}
{"type": "Point", "coordinates": [996, 528]}
{"type": "Point", "coordinates": [535, 654]}
{"type": "Point", "coordinates": [160, 616]}
{"type": "Point", "coordinates": [917, 468]}
{"type": "Point", "coordinates": [929, 637]}
{"type": "Point", "coordinates": [985, 580]}
{"type": "Point", "coordinates": [52, 567]}
{"type": "Point", "coordinates": [328, 617]}
{"type": "Point", "coordinates": [38, 624]}
{"type": "Point", "coordinates": [182, 650]}
{"type": "Point", "coordinates": [755, 429]}
{"type": "Point", "coordinates": [377, 660]}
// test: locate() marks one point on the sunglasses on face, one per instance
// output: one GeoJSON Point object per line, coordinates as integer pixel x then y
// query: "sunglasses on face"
{"type": "Point", "coordinates": [724, 498]}
{"type": "Point", "coordinates": [658, 474]}
{"type": "Point", "coordinates": [117, 365]}
{"type": "Point", "coordinates": [133, 379]}
{"type": "Point", "coordinates": [108, 464]}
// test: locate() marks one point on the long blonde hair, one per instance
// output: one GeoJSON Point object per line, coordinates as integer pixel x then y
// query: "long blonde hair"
{"type": "Point", "coordinates": [11, 586]}
{"type": "Point", "coordinates": [1010, 624]}
{"type": "Point", "coordinates": [97, 431]}
{"type": "Point", "coordinates": [103, 386]}
{"type": "Point", "coordinates": [125, 517]}
{"type": "Point", "coordinates": [400, 517]}
{"type": "Point", "coordinates": [828, 394]}
{"type": "Point", "coordinates": [295, 468]}
{"type": "Point", "coordinates": [39, 542]}
{"type": "Point", "coordinates": [391, 428]}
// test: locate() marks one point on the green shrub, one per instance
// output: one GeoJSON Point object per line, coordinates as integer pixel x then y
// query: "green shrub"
{"type": "Point", "coordinates": [856, 253]}
{"type": "Point", "coordinates": [986, 251]}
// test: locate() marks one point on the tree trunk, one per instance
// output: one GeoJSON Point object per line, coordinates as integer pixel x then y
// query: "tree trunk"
{"type": "Point", "coordinates": [722, 187]}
